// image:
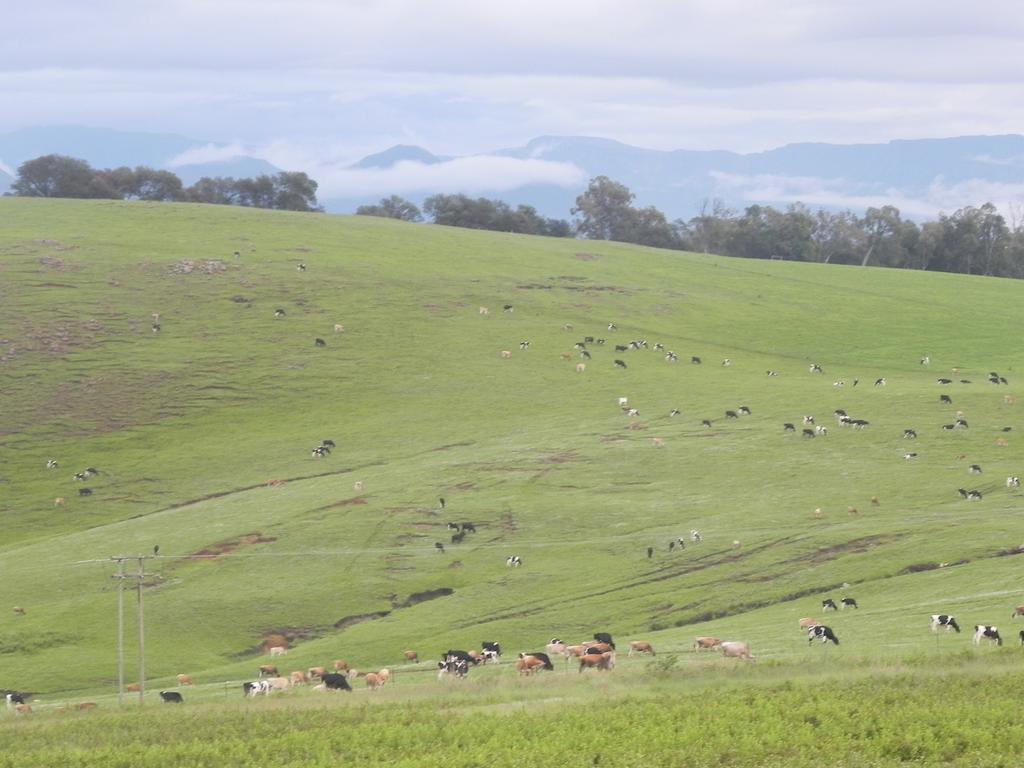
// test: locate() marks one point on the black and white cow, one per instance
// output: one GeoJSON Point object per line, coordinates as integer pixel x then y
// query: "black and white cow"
{"type": "Point", "coordinates": [848, 602]}
{"type": "Point", "coordinates": [974, 469]}
{"type": "Point", "coordinates": [828, 604]}
{"type": "Point", "coordinates": [909, 434]}
{"type": "Point", "coordinates": [984, 631]}
{"type": "Point", "coordinates": [456, 667]}
{"type": "Point", "coordinates": [944, 620]}
{"type": "Point", "coordinates": [1013, 482]}
{"type": "Point", "coordinates": [257, 687]}
{"type": "Point", "coordinates": [513, 561]}
{"type": "Point", "coordinates": [171, 697]}
{"type": "Point", "coordinates": [490, 648]}
{"type": "Point", "coordinates": [13, 697]}
{"type": "Point", "coordinates": [821, 632]}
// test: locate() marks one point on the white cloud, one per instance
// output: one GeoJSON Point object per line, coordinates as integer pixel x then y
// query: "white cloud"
{"type": "Point", "coordinates": [6, 168]}
{"type": "Point", "coordinates": [466, 174]}
{"type": "Point", "coordinates": [208, 153]}
{"type": "Point", "coordinates": [938, 196]}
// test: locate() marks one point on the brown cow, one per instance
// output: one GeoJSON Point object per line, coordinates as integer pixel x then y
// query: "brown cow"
{"type": "Point", "coordinates": [316, 672]}
{"type": "Point", "coordinates": [411, 656]}
{"type": "Point", "coordinates": [85, 705]}
{"type": "Point", "coordinates": [529, 664]}
{"type": "Point", "coordinates": [133, 687]}
{"type": "Point", "coordinates": [807, 623]}
{"type": "Point", "coordinates": [574, 650]}
{"type": "Point", "coordinates": [640, 646]}
{"type": "Point", "coordinates": [59, 502]}
{"type": "Point", "coordinates": [384, 675]}
{"type": "Point", "coordinates": [184, 680]}
{"type": "Point", "coordinates": [706, 643]}
{"type": "Point", "coordinates": [373, 681]}
{"type": "Point", "coordinates": [1018, 611]}
{"type": "Point", "coordinates": [22, 709]}
{"type": "Point", "coordinates": [18, 610]}
{"type": "Point", "coordinates": [340, 666]}
{"type": "Point", "coordinates": [280, 683]}
{"type": "Point", "coordinates": [268, 670]}
{"type": "Point", "coordinates": [603, 661]}
{"type": "Point", "coordinates": [298, 677]}
{"type": "Point", "coordinates": [598, 648]}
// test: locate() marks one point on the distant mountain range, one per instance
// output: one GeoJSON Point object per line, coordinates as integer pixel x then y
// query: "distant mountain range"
{"type": "Point", "coordinates": [919, 176]}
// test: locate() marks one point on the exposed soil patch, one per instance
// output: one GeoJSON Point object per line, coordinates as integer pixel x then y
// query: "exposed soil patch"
{"type": "Point", "coordinates": [560, 458]}
{"type": "Point", "coordinates": [450, 446]}
{"type": "Point", "coordinates": [56, 245]}
{"type": "Point", "coordinates": [421, 597]}
{"type": "Point", "coordinates": [188, 266]}
{"type": "Point", "coordinates": [351, 621]}
{"type": "Point", "coordinates": [856, 546]}
{"type": "Point", "coordinates": [214, 551]}
{"type": "Point", "coordinates": [351, 502]}
{"type": "Point", "coordinates": [587, 257]}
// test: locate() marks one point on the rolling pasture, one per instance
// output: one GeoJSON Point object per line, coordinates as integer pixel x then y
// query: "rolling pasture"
{"type": "Point", "coordinates": [202, 434]}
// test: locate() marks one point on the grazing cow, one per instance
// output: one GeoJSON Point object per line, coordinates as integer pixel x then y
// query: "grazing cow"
{"type": "Point", "coordinates": [1021, 635]}
{"type": "Point", "coordinates": [695, 360]}
{"type": "Point", "coordinates": [316, 673]}
{"type": "Point", "coordinates": [60, 501]}
{"type": "Point", "coordinates": [14, 698]}
{"type": "Point", "coordinates": [267, 670]}
{"type": "Point", "coordinates": [298, 677]}
{"type": "Point", "coordinates": [320, 452]}
{"type": "Point", "coordinates": [18, 610]}
{"type": "Point", "coordinates": [974, 469]}
{"type": "Point", "coordinates": [808, 433]}
{"type": "Point", "coordinates": [604, 661]}
{"type": "Point", "coordinates": [279, 312]}
{"type": "Point", "coordinates": [731, 415]}
{"type": "Point", "coordinates": [319, 342]}
{"type": "Point", "coordinates": [620, 364]}
{"type": "Point", "coordinates": [640, 646]}
{"type": "Point", "coordinates": [484, 311]}
{"type": "Point", "coordinates": [597, 648]}
{"type": "Point", "coordinates": [452, 526]}
{"type": "Point", "coordinates": [490, 656]}
{"type": "Point", "coordinates": [945, 399]}
{"type": "Point", "coordinates": [468, 528]}
{"type": "Point", "coordinates": [456, 667]}
{"type": "Point", "coordinates": [585, 355]}
{"type": "Point", "coordinates": [732, 649]}
{"type": "Point", "coordinates": [808, 420]}
{"type": "Point", "coordinates": [133, 687]}
{"type": "Point", "coordinates": [487, 645]}
{"type": "Point", "coordinates": [821, 632]}
{"type": "Point", "coordinates": [581, 367]}
{"type": "Point", "coordinates": [674, 412]}
{"type": "Point", "coordinates": [458, 537]}
{"type": "Point", "coordinates": [671, 357]}
{"type": "Point", "coordinates": [604, 637]}
{"type": "Point", "coordinates": [880, 382]}
{"type": "Point", "coordinates": [524, 345]}
{"type": "Point", "coordinates": [744, 411]}
{"type": "Point", "coordinates": [507, 308]}
{"type": "Point", "coordinates": [1013, 482]}
{"type": "Point", "coordinates": [340, 665]}
{"type": "Point", "coordinates": [339, 328]}
{"type": "Point", "coordinates": [334, 681]}
{"type": "Point", "coordinates": [513, 561]}
{"type": "Point", "coordinates": [821, 430]}
{"type": "Point", "coordinates": [256, 687]}
{"type": "Point", "coordinates": [772, 373]}
{"type": "Point", "coordinates": [85, 492]}
{"type": "Point", "coordinates": [22, 709]}
{"type": "Point", "coordinates": [373, 681]}
{"type": "Point", "coordinates": [909, 434]}
{"type": "Point", "coordinates": [909, 456]}
{"type": "Point", "coordinates": [533, 662]}
{"type": "Point", "coordinates": [171, 697]}
{"type": "Point", "coordinates": [944, 620]}
{"type": "Point", "coordinates": [51, 464]}
{"type": "Point", "coordinates": [828, 604]}
{"type": "Point", "coordinates": [506, 354]}
{"type": "Point", "coordinates": [556, 646]}
{"type": "Point", "coordinates": [706, 423]}
{"type": "Point", "coordinates": [986, 632]}
{"type": "Point", "coordinates": [961, 424]}
{"type": "Point", "coordinates": [815, 368]}
{"type": "Point", "coordinates": [848, 602]}
{"type": "Point", "coordinates": [301, 268]}
{"type": "Point", "coordinates": [574, 650]}
{"type": "Point", "coordinates": [280, 683]}
{"type": "Point", "coordinates": [470, 657]}
{"type": "Point", "coordinates": [622, 348]}
{"type": "Point", "coordinates": [807, 623]}
{"type": "Point", "coordinates": [944, 382]}
{"type": "Point", "coordinates": [278, 650]}
{"type": "Point", "coordinates": [788, 427]}
{"type": "Point", "coordinates": [184, 680]}
{"type": "Point", "coordinates": [726, 362]}
{"type": "Point", "coordinates": [974, 495]}
{"type": "Point", "coordinates": [706, 643]}
{"type": "Point", "coordinates": [439, 547]}
{"type": "Point", "coordinates": [1018, 611]}
{"type": "Point", "coordinates": [695, 535]}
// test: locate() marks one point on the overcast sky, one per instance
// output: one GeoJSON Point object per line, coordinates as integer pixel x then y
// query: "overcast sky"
{"type": "Point", "coordinates": [293, 80]}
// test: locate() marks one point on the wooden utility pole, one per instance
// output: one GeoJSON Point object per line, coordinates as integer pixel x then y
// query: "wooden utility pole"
{"type": "Point", "coordinates": [139, 580]}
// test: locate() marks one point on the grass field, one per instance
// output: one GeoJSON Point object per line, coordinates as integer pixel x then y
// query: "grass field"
{"type": "Point", "coordinates": [188, 426]}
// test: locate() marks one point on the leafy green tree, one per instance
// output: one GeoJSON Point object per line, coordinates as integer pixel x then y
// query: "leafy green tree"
{"type": "Point", "coordinates": [392, 207]}
{"type": "Point", "coordinates": [295, 191]}
{"type": "Point", "coordinates": [216, 190]}
{"type": "Point", "coordinates": [605, 211]}
{"type": "Point", "coordinates": [60, 176]}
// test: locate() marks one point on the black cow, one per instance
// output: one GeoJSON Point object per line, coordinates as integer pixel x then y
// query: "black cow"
{"type": "Point", "coordinates": [706, 423]}
{"type": "Point", "coordinates": [731, 415]}
{"type": "Point", "coordinates": [604, 637]}
{"type": "Point", "coordinates": [621, 348]}
{"type": "Point", "coordinates": [334, 681]}
{"type": "Point", "coordinates": [788, 427]}
{"type": "Point", "coordinates": [848, 602]}
{"type": "Point", "coordinates": [808, 433]}
{"type": "Point", "coordinates": [441, 502]}
{"type": "Point", "coordinates": [171, 697]}
{"type": "Point", "coordinates": [1022, 637]}
{"type": "Point", "coordinates": [944, 620]}
{"type": "Point", "coordinates": [320, 342]}
{"type": "Point", "coordinates": [458, 537]}
{"type": "Point", "coordinates": [468, 528]}
{"type": "Point", "coordinates": [650, 552]}
{"type": "Point", "coordinates": [439, 546]}
{"type": "Point", "coordinates": [828, 604]}
{"type": "Point", "coordinates": [85, 492]}
{"type": "Point", "coordinates": [821, 632]}
{"type": "Point", "coordinates": [620, 364]}
{"type": "Point", "coordinates": [695, 360]}
{"type": "Point", "coordinates": [507, 308]}
{"type": "Point", "coordinates": [945, 399]}
{"type": "Point", "coordinates": [327, 443]}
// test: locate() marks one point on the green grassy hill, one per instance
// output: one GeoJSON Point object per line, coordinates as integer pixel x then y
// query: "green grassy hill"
{"type": "Point", "coordinates": [190, 425]}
